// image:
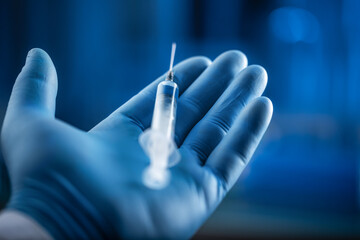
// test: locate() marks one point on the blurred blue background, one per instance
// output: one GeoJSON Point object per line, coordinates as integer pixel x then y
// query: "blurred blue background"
{"type": "Point", "coordinates": [304, 178]}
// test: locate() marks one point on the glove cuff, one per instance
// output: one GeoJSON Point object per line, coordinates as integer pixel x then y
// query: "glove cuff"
{"type": "Point", "coordinates": [60, 208]}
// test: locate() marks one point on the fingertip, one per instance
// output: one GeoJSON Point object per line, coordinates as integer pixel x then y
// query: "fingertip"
{"type": "Point", "coordinates": [37, 53]}
{"type": "Point", "coordinates": [202, 60]}
{"type": "Point", "coordinates": [259, 73]}
{"type": "Point", "coordinates": [36, 85]}
{"type": "Point", "coordinates": [252, 78]}
{"type": "Point", "coordinates": [228, 64]}
{"type": "Point", "coordinates": [198, 61]}
{"type": "Point", "coordinates": [263, 110]}
{"type": "Point", "coordinates": [235, 57]}
{"type": "Point", "coordinates": [39, 65]}
{"type": "Point", "coordinates": [187, 71]}
{"type": "Point", "coordinates": [266, 104]}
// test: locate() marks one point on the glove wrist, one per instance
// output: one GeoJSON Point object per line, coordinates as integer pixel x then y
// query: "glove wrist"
{"type": "Point", "coordinates": [60, 208]}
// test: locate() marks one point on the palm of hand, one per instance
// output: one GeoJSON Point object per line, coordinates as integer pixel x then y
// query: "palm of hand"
{"type": "Point", "coordinates": [106, 163]}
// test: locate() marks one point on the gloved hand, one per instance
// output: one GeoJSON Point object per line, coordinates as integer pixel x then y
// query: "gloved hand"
{"type": "Point", "coordinates": [80, 184]}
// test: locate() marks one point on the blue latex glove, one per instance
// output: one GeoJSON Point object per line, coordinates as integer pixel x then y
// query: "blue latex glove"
{"type": "Point", "coordinates": [80, 184]}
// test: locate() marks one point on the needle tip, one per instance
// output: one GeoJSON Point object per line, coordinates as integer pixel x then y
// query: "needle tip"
{"type": "Point", "coordinates": [173, 48]}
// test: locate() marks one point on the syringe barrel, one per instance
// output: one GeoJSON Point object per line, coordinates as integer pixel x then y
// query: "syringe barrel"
{"type": "Point", "coordinates": [165, 108]}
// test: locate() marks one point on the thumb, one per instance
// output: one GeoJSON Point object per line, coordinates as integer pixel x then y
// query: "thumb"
{"type": "Point", "coordinates": [35, 88]}
{"type": "Point", "coordinates": [34, 92]}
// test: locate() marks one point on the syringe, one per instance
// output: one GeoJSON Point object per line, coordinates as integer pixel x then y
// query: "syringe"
{"type": "Point", "coordinates": [158, 141]}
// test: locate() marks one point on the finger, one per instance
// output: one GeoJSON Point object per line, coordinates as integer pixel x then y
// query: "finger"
{"type": "Point", "coordinates": [139, 109]}
{"type": "Point", "coordinates": [206, 135]}
{"type": "Point", "coordinates": [234, 152]}
{"type": "Point", "coordinates": [33, 97]}
{"type": "Point", "coordinates": [35, 88]}
{"type": "Point", "coordinates": [203, 93]}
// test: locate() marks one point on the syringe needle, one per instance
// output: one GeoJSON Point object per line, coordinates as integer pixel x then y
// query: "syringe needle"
{"type": "Point", "coordinates": [170, 75]}
{"type": "Point", "coordinates": [173, 48]}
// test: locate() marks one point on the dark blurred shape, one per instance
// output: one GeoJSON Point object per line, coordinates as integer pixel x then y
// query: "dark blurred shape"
{"type": "Point", "coordinates": [294, 25]}
{"type": "Point", "coordinates": [304, 178]}
{"type": "Point", "coordinates": [4, 185]}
